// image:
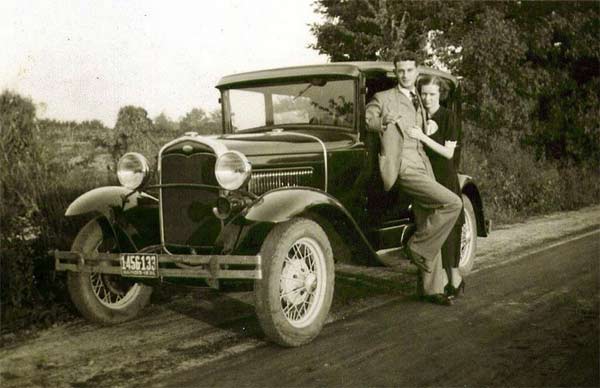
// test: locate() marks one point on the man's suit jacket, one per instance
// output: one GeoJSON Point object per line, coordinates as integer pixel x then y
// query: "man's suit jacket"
{"type": "Point", "coordinates": [382, 110]}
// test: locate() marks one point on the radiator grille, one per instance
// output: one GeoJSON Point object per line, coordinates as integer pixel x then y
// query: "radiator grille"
{"type": "Point", "coordinates": [187, 211]}
{"type": "Point", "coordinates": [264, 180]}
{"type": "Point", "coordinates": [197, 168]}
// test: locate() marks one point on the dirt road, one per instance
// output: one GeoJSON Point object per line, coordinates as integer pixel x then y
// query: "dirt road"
{"type": "Point", "coordinates": [529, 317]}
{"type": "Point", "coordinates": [532, 322]}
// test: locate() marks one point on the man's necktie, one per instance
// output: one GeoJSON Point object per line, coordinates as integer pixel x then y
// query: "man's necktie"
{"type": "Point", "coordinates": [415, 100]}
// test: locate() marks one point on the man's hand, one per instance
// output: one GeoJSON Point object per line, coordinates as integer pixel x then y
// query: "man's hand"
{"type": "Point", "coordinates": [390, 119]}
{"type": "Point", "coordinates": [415, 132]}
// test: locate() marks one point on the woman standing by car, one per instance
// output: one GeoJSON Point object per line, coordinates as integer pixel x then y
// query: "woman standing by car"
{"type": "Point", "coordinates": [441, 141]}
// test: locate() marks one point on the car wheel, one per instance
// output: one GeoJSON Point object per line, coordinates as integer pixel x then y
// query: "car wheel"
{"type": "Point", "coordinates": [102, 298]}
{"type": "Point", "coordinates": [468, 238]}
{"type": "Point", "coordinates": [295, 293]}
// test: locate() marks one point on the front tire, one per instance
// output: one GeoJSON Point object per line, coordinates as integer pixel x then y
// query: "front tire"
{"type": "Point", "coordinates": [468, 238]}
{"type": "Point", "coordinates": [102, 298]}
{"type": "Point", "coordinates": [294, 296]}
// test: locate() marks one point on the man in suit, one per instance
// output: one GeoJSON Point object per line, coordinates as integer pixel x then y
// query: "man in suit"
{"type": "Point", "coordinates": [395, 113]}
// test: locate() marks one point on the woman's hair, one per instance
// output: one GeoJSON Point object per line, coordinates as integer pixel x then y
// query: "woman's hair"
{"type": "Point", "coordinates": [434, 80]}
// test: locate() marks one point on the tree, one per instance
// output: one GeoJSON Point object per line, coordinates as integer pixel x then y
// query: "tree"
{"type": "Point", "coordinates": [20, 192]}
{"type": "Point", "coordinates": [91, 126]}
{"type": "Point", "coordinates": [215, 124]}
{"type": "Point", "coordinates": [197, 120]}
{"type": "Point", "coordinates": [164, 124]}
{"type": "Point", "coordinates": [133, 132]}
{"type": "Point", "coordinates": [194, 120]}
{"type": "Point", "coordinates": [531, 69]}
{"type": "Point", "coordinates": [17, 119]}
{"type": "Point", "coordinates": [19, 148]}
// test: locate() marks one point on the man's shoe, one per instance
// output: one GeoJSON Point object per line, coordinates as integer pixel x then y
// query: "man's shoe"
{"type": "Point", "coordinates": [417, 260]}
{"type": "Point", "coordinates": [441, 299]}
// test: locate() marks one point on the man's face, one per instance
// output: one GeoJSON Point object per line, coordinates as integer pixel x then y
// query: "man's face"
{"type": "Point", "coordinates": [407, 73]}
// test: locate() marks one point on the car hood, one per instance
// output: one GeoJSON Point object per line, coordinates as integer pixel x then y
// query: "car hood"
{"type": "Point", "coordinates": [285, 143]}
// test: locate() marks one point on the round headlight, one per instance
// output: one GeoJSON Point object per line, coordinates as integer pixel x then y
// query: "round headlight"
{"type": "Point", "coordinates": [132, 170]}
{"type": "Point", "coordinates": [232, 170]}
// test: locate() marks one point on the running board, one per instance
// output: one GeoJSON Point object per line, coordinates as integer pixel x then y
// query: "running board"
{"type": "Point", "coordinates": [392, 257]}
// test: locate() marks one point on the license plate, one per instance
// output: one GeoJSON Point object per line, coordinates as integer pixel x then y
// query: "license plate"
{"type": "Point", "coordinates": [139, 265]}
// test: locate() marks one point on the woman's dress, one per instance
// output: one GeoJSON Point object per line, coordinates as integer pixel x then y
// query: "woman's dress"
{"type": "Point", "coordinates": [445, 173]}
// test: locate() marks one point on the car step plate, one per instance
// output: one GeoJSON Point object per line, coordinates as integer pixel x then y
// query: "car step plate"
{"type": "Point", "coordinates": [139, 265]}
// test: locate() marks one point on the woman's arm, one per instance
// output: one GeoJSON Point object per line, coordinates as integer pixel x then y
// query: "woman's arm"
{"type": "Point", "coordinates": [446, 150]}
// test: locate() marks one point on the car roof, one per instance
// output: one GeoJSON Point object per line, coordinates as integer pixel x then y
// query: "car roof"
{"type": "Point", "coordinates": [344, 69]}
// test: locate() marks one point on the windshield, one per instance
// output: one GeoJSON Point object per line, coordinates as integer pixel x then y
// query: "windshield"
{"type": "Point", "coordinates": [316, 101]}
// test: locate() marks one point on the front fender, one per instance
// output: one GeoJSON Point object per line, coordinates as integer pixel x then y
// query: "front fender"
{"type": "Point", "coordinates": [103, 199]}
{"type": "Point", "coordinates": [134, 225]}
{"type": "Point", "coordinates": [469, 188]}
{"type": "Point", "coordinates": [284, 204]}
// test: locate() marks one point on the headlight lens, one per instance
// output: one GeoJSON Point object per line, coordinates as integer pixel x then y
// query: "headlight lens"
{"type": "Point", "coordinates": [232, 170]}
{"type": "Point", "coordinates": [132, 170]}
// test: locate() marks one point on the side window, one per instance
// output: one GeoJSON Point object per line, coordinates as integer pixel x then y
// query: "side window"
{"type": "Point", "coordinates": [376, 82]}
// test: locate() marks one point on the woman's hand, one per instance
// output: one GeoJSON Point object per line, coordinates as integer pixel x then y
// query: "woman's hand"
{"type": "Point", "coordinates": [432, 127]}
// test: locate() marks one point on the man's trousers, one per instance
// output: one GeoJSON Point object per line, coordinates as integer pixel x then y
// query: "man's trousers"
{"type": "Point", "coordinates": [436, 210]}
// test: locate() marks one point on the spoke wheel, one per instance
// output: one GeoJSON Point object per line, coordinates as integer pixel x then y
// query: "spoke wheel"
{"type": "Point", "coordinates": [468, 238]}
{"type": "Point", "coordinates": [99, 297]}
{"type": "Point", "coordinates": [110, 293]}
{"type": "Point", "coordinates": [303, 280]}
{"type": "Point", "coordinates": [294, 296]}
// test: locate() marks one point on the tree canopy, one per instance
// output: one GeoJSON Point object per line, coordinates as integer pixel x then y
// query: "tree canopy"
{"type": "Point", "coordinates": [198, 120]}
{"type": "Point", "coordinates": [530, 69]}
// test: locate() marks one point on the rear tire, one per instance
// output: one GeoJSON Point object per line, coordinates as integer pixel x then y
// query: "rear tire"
{"type": "Point", "coordinates": [101, 298]}
{"type": "Point", "coordinates": [468, 240]}
{"type": "Point", "coordinates": [294, 296]}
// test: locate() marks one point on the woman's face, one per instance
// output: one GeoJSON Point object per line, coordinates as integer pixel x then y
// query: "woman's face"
{"type": "Point", "coordinates": [430, 94]}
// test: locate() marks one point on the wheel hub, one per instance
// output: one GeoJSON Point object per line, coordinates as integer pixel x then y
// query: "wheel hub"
{"type": "Point", "coordinates": [310, 282]}
{"type": "Point", "coordinates": [296, 282]}
{"type": "Point", "coordinates": [302, 282]}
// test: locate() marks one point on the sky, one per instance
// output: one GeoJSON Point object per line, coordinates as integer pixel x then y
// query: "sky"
{"type": "Point", "coordinates": [83, 60]}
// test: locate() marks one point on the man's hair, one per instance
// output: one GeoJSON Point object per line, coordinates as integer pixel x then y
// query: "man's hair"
{"type": "Point", "coordinates": [407, 55]}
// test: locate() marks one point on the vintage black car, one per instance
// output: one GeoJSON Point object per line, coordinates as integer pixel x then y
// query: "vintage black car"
{"type": "Point", "coordinates": [290, 187]}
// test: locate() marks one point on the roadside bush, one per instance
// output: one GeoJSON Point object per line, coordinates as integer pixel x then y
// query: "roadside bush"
{"type": "Point", "coordinates": [580, 185]}
{"type": "Point", "coordinates": [515, 184]}
{"type": "Point", "coordinates": [37, 185]}
{"type": "Point", "coordinates": [17, 145]}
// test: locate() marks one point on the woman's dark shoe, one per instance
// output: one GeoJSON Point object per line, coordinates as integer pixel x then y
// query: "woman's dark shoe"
{"type": "Point", "coordinates": [454, 292]}
{"type": "Point", "coordinates": [441, 299]}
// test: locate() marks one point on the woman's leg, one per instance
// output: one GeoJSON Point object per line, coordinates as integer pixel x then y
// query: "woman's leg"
{"type": "Point", "coordinates": [454, 277]}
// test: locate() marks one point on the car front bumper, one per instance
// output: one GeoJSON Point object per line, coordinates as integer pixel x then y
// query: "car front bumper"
{"type": "Point", "coordinates": [186, 266]}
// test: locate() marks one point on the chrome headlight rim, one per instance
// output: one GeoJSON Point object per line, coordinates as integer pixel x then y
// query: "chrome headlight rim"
{"type": "Point", "coordinates": [142, 175]}
{"type": "Point", "coordinates": [244, 174]}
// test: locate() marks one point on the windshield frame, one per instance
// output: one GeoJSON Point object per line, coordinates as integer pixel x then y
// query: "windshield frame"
{"type": "Point", "coordinates": [226, 105]}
